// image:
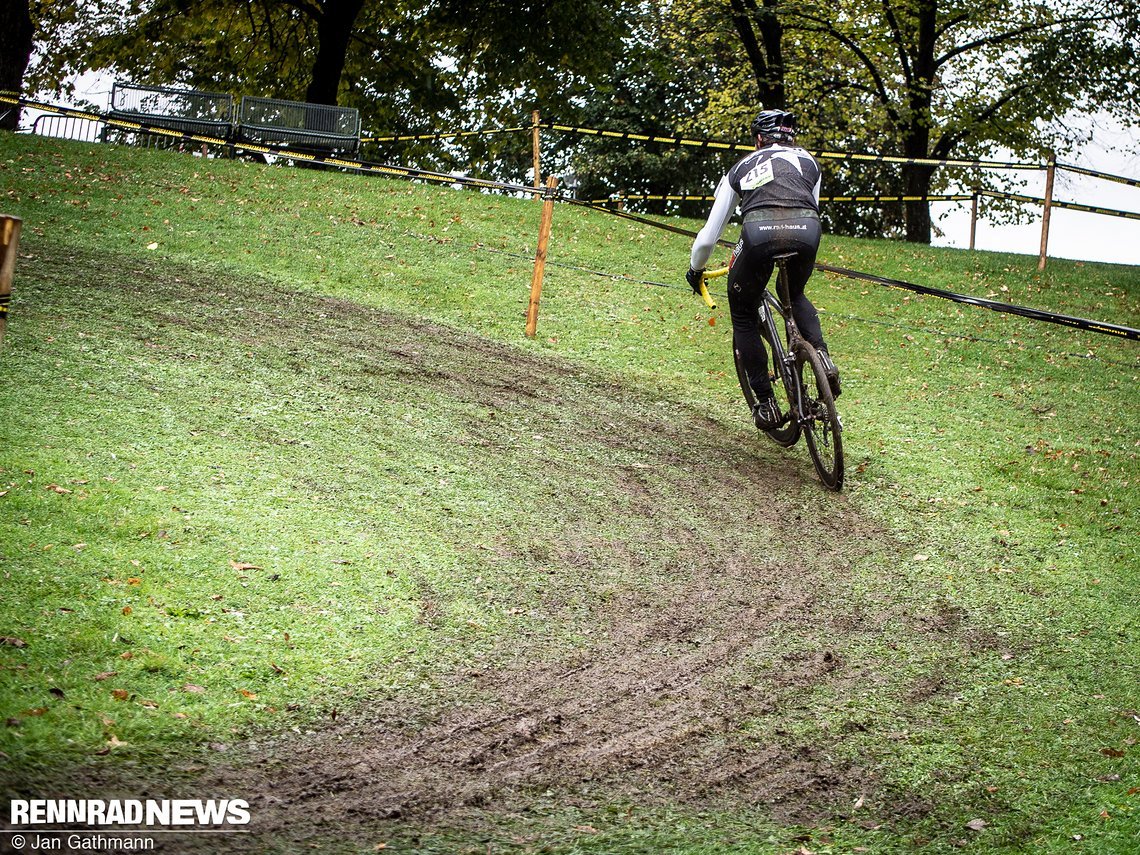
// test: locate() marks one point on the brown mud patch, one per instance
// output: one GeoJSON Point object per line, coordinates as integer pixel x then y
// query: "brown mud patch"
{"type": "Point", "coordinates": [693, 688]}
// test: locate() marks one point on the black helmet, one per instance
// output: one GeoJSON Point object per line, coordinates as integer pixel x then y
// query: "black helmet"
{"type": "Point", "coordinates": [775, 124]}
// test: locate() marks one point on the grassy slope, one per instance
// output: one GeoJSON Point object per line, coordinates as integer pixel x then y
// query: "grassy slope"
{"type": "Point", "coordinates": [1006, 467]}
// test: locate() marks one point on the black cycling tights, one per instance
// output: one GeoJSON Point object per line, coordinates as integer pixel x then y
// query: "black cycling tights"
{"type": "Point", "coordinates": [751, 268]}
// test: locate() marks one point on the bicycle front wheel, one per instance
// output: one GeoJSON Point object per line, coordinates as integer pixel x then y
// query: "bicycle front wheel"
{"type": "Point", "coordinates": [822, 427]}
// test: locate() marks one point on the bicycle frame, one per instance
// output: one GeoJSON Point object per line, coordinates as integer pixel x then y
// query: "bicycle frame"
{"type": "Point", "coordinates": [811, 409]}
{"type": "Point", "coordinates": [784, 357]}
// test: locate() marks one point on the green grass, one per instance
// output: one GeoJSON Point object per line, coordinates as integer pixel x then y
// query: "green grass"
{"type": "Point", "coordinates": [224, 516]}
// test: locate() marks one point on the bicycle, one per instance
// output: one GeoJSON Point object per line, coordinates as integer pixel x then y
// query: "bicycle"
{"type": "Point", "coordinates": [811, 406]}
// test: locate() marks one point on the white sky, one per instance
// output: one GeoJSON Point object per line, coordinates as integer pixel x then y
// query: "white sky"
{"type": "Point", "coordinates": [1072, 234]}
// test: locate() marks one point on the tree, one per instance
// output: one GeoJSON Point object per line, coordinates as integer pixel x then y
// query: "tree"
{"type": "Point", "coordinates": [648, 89]}
{"type": "Point", "coordinates": [335, 22]}
{"type": "Point", "coordinates": [942, 79]}
{"type": "Point", "coordinates": [761, 34]}
{"type": "Point", "coordinates": [16, 37]}
{"type": "Point", "coordinates": [408, 66]}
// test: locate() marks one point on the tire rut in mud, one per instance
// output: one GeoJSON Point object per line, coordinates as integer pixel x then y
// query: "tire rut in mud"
{"type": "Point", "coordinates": [678, 695]}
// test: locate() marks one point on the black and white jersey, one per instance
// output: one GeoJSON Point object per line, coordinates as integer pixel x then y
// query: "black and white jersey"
{"type": "Point", "coordinates": [776, 176]}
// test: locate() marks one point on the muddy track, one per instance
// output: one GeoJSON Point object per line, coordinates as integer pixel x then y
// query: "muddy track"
{"type": "Point", "coordinates": [677, 696]}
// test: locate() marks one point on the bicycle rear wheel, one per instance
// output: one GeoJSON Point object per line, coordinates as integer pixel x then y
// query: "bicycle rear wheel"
{"type": "Point", "coordinates": [822, 429]}
{"type": "Point", "coordinates": [787, 434]}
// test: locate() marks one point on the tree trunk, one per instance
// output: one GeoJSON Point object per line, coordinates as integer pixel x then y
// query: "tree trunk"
{"type": "Point", "coordinates": [916, 136]}
{"type": "Point", "coordinates": [16, 34]}
{"type": "Point", "coordinates": [916, 182]}
{"type": "Point", "coordinates": [767, 61]}
{"type": "Point", "coordinates": [334, 29]}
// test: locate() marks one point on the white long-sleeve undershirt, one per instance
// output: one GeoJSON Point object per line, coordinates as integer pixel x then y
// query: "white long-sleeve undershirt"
{"type": "Point", "coordinates": [722, 210]}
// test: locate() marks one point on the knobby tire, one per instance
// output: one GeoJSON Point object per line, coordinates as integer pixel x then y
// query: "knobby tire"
{"type": "Point", "coordinates": [823, 431]}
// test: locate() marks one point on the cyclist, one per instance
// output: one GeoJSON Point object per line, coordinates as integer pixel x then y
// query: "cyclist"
{"type": "Point", "coordinates": [777, 188]}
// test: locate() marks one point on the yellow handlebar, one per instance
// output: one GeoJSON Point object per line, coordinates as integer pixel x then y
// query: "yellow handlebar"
{"type": "Point", "coordinates": [711, 274]}
{"type": "Point", "coordinates": [705, 295]}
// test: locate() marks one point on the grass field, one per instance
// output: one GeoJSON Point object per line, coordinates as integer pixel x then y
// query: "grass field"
{"type": "Point", "coordinates": [291, 510]}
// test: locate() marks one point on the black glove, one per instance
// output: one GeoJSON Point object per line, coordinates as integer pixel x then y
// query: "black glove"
{"type": "Point", "coordinates": [694, 278]}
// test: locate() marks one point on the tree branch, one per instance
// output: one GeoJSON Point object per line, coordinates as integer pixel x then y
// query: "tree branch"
{"type": "Point", "coordinates": [1028, 29]}
{"type": "Point", "coordinates": [949, 140]}
{"type": "Point", "coordinates": [951, 24]}
{"type": "Point", "coordinates": [897, 38]}
{"type": "Point", "coordinates": [822, 25]}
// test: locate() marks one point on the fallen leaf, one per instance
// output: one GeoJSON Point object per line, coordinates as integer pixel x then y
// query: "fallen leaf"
{"type": "Point", "coordinates": [152, 246]}
{"type": "Point", "coordinates": [120, 694]}
{"type": "Point", "coordinates": [858, 803]}
{"type": "Point", "coordinates": [241, 565]}
{"type": "Point", "coordinates": [190, 687]}
{"type": "Point", "coordinates": [12, 641]}
{"type": "Point", "coordinates": [150, 705]}
{"type": "Point", "coordinates": [35, 711]}
{"type": "Point", "coordinates": [276, 668]}
{"type": "Point", "coordinates": [115, 742]}
{"type": "Point", "coordinates": [180, 715]}
{"type": "Point", "coordinates": [246, 693]}
{"type": "Point", "coordinates": [976, 824]}
{"type": "Point", "coordinates": [55, 488]}
{"type": "Point", "coordinates": [1112, 752]}
{"type": "Point", "coordinates": [127, 610]}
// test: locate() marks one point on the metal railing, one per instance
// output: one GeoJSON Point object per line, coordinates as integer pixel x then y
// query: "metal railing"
{"type": "Point", "coordinates": [67, 127]}
{"type": "Point", "coordinates": [307, 126]}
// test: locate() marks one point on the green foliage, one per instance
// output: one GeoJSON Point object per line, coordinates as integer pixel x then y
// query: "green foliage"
{"type": "Point", "coordinates": [448, 65]}
{"type": "Point", "coordinates": [924, 79]}
{"type": "Point", "coordinates": [648, 88]}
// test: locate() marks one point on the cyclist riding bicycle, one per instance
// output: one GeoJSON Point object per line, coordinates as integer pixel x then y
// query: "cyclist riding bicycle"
{"type": "Point", "coordinates": [777, 188]}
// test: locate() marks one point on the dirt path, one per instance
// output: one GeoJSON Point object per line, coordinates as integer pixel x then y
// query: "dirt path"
{"type": "Point", "coordinates": [684, 691]}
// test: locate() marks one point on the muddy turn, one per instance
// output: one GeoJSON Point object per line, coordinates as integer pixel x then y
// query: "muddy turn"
{"type": "Point", "coordinates": [683, 692]}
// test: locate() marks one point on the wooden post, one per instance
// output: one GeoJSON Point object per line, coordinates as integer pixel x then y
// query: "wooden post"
{"type": "Point", "coordinates": [973, 218]}
{"type": "Point", "coordinates": [534, 119]}
{"type": "Point", "coordinates": [9, 242]}
{"type": "Point", "coordinates": [540, 257]}
{"type": "Point", "coordinates": [1050, 172]}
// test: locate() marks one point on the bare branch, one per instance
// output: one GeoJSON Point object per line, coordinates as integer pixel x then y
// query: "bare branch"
{"type": "Point", "coordinates": [897, 38]}
{"type": "Point", "coordinates": [1028, 29]}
